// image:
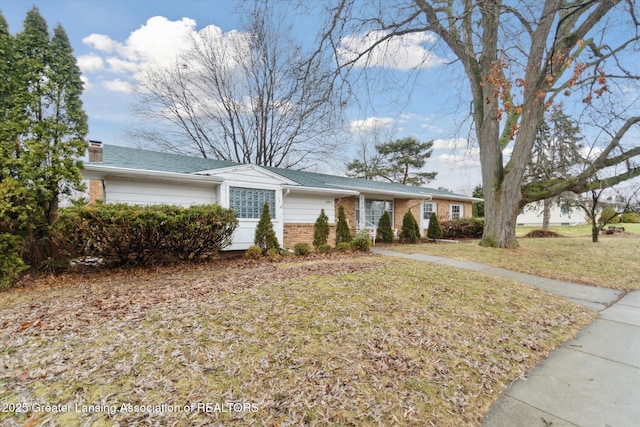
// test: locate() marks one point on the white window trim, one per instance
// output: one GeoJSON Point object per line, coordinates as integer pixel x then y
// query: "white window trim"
{"type": "Point", "coordinates": [451, 210]}
{"type": "Point", "coordinates": [434, 206]}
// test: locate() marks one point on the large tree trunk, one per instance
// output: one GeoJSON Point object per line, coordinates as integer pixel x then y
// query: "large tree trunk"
{"type": "Point", "coordinates": [546, 213]}
{"type": "Point", "coordinates": [501, 193]}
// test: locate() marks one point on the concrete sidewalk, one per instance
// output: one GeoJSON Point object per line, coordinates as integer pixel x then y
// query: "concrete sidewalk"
{"type": "Point", "coordinates": [593, 380]}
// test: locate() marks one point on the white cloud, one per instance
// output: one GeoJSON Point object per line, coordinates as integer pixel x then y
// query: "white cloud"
{"type": "Point", "coordinates": [101, 42]}
{"type": "Point", "coordinates": [404, 52]}
{"type": "Point", "coordinates": [469, 158]}
{"type": "Point", "coordinates": [370, 124]}
{"type": "Point", "coordinates": [159, 41]}
{"type": "Point", "coordinates": [450, 144]}
{"type": "Point", "coordinates": [118, 85]}
{"type": "Point", "coordinates": [90, 63]}
{"type": "Point", "coordinates": [117, 65]}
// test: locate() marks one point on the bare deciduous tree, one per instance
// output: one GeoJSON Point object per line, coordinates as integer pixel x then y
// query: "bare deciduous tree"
{"type": "Point", "coordinates": [518, 57]}
{"type": "Point", "coordinates": [249, 97]}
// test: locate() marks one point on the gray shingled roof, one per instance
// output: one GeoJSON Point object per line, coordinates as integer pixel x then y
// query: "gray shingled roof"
{"type": "Point", "coordinates": [136, 158]}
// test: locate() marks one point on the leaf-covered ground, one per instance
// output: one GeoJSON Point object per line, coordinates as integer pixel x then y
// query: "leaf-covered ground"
{"type": "Point", "coordinates": [328, 341]}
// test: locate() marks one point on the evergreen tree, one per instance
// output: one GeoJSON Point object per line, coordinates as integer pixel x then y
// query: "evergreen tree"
{"type": "Point", "coordinates": [410, 229]}
{"type": "Point", "coordinates": [265, 236]}
{"type": "Point", "coordinates": [321, 230]}
{"type": "Point", "coordinates": [43, 129]}
{"type": "Point", "coordinates": [385, 232]}
{"type": "Point", "coordinates": [478, 207]}
{"type": "Point", "coordinates": [434, 231]}
{"type": "Point", "coordinates": [395, 161]}
{"type": "Point", "coordinates": [343, 233]}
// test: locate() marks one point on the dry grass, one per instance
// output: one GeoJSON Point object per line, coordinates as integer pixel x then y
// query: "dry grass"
{"type": "Point", "coordinates": [611, 263]}
{"type": "Point", "coordinates": [360, 341]}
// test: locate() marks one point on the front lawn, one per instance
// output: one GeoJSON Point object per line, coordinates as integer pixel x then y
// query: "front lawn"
{"type": "Point", "coordinates": [612, 262]}
{"type": "Point", "coordinates": [355, 341]}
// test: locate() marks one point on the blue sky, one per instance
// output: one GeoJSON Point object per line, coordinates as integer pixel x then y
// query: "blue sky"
{"type": "Point", "coordinates": [114, 39]}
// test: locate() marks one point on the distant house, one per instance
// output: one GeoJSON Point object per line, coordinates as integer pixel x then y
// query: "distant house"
{"type": "Point", "coordinates": [136, 176]}
{"type": "Point", "coordinates": [532, 216]}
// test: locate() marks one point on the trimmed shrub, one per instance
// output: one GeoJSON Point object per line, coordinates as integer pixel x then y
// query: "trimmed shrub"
{"type": "Point", "coordinates": [385, 232]}
{"type": "Point", "coordinates": [343, 233]}
{"type": "Point", "coordinates": [434, 231]}
{"type": "Point", "coordinates": [274, 253]}
{"type": "Point", "coordinates": [11, 263]}
{"type": "Point", "coordinates": [265, 236]}
{"type": "Point", "coordinates": [254, 252]}
{"type": "Point", "coordinates": [630, 218]}
{"type": "Point", "coordinates": [463, 228]}
{"type": "Point", "coordinates": [132, 234]}
{"type": "Point", "coordinates": [410, 230]}
{"type": "Point", "coordinates": [321, 230]}
{"type": "Point", "coordinates": [302, 249]}
{"type": "Point", "coordinates": [362, 241]}
{"type": "Point", "coordinates": [343, 247]}
{"type": "Point", "coordinates": [324, 249]}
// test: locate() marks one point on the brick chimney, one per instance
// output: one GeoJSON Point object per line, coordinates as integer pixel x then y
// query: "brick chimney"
{"type": "Point", "coordinates": [95, 151]}
{"type": "Point", "coordinates": [96, 186]}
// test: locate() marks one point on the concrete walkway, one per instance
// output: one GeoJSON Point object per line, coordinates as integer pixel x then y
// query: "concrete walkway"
{"type": "Point", "coordinates": [592, 380]}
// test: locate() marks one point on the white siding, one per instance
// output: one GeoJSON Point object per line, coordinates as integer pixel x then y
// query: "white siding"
{"type": "Point", "coordinates": [305, 209]}
{"type": "Point", "coordinates": [532, 216]}
{"type": "Point", "coordinates": [143, 192]}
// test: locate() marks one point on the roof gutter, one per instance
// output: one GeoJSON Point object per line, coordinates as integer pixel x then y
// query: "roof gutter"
{"type": "Point", "coordinates": [386, 192]}
{"type": "Point", "coordinates": [301, 188]}
{"type": "Point", "coordinates": [93, 171]}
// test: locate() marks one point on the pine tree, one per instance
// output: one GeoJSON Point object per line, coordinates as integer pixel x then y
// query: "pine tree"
{"type": "Point", "coordinates": [265, 236]}
{"type": "Point", "coordinates": [321, 230]}
{"type": "Point", "coordinates": [410, 230]}
{"type": "Point", "coordinates": [343, 233]}
{"type": "Point", "coordinates": [434, 231]}
{"type": "Point", "coordinates": [385, 232]}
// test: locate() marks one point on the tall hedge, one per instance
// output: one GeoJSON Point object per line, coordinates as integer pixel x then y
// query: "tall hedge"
{"type": "Point", "coordinates": [132, 234]}
{"type": "Point", "coordinates": [385, 232]}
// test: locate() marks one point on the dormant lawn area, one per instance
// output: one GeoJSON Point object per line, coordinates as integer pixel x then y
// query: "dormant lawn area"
{"type": "Point", "coordinates": [612, 262]}
{"type": "Point", "coordinates": [341, 340]}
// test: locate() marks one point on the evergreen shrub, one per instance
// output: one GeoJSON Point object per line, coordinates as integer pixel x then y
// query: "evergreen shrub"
{"type": "Point", "coordinates": [133, 234]}
{"type": "Point", "coordinates": [410, 230]}
{"type": "Point", "coordinates": [385, 232]}
{"type": "Point", "coordinates": [321, 230]}
{"type": "Point", "coordinates": [265, 236]}
{"type": "Point", "coordinates": [302, 249]}
{"type": "Point", "coordinates": [343, 233]}
{"type": "Point", "coordinates": [434, 231]}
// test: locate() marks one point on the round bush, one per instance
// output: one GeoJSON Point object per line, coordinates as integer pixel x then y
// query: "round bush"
{"type": "Point", "coordinates": [362, 241]}
{"type": "Point", "coordinates": [343, 247]}
{"type": "Point", "coordinates": [301, 249]}
{"type": "Point", "coordinates": [254, 252]}
{"type": "Point", "coordinates": [324, 249]}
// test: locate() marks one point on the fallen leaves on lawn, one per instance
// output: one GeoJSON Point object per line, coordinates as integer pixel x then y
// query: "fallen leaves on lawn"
{"type": "Point", "coordinates": [355, 341]}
